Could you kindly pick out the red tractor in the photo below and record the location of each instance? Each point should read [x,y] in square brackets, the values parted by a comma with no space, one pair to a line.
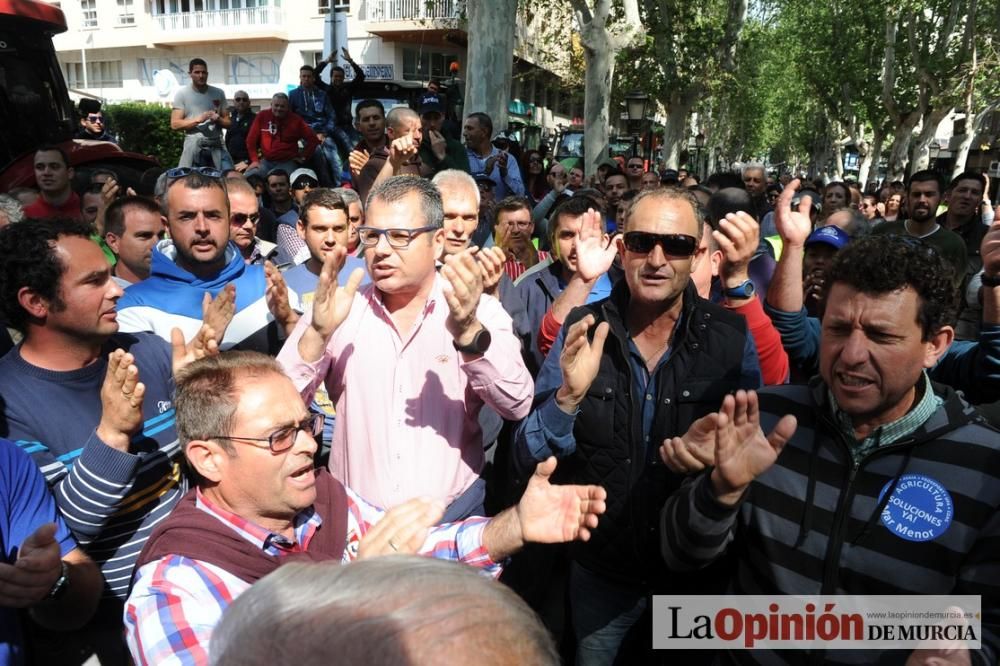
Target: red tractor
[35,108]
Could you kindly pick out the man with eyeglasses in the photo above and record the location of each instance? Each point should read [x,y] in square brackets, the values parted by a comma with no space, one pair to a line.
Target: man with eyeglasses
[259,503]
[287,193]
[199,261]
[427,339]
[625,374]
[513,229]
[244,214]
[634,170]
[241,119]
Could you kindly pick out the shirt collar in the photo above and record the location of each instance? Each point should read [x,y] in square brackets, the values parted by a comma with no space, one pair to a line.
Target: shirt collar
[306,522]
[889,433]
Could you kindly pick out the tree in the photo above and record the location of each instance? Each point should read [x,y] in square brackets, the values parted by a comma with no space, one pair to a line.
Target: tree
[602,39]
[491,59]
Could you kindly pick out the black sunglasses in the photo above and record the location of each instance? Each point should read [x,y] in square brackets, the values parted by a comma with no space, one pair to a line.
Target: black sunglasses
[239,219]
[303,183]
[673,245]
[180,172]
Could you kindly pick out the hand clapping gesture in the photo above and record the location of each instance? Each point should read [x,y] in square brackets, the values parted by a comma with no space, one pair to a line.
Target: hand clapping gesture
[794,226]
[121,401]
[595,252]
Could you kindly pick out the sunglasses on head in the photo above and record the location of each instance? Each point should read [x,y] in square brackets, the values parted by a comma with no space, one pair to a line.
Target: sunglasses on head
[303,183]
[673,245]
[180,172]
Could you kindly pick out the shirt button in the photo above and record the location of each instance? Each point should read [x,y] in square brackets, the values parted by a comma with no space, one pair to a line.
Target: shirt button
[649,397]
[666,401]
[686,393]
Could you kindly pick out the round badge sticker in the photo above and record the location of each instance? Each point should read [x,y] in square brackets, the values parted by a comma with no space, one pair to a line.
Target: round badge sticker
[920,508]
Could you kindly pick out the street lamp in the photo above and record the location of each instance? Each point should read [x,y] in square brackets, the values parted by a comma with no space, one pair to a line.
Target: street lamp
[699,144]
[635,108]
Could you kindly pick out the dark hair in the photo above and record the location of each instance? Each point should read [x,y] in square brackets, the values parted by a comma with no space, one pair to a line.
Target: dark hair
[925,176]
[337,68]
[281,173]
[30,260]
[307,68]
[321,197]
[723,179]
[843,186]
[397,188]
[114,217]
[367,103]
[484,120]
[193,181]
[196,61]
[881,264]
[55,149]
[615,171]
[509,205]
[968,175]
[729,200]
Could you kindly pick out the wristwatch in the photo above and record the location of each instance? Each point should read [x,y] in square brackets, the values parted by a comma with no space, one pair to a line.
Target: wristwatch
[744,290]
[990,280]
[479,344]
[61,585]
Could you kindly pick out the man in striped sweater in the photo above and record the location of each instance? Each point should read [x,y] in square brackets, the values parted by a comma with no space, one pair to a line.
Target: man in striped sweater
[885,484]
[105,442]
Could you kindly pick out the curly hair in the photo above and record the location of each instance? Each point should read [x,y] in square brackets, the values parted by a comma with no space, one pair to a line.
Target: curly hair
[30,260]
[886,263]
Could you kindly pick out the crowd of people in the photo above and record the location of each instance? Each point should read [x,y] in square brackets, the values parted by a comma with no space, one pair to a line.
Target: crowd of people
[351,337]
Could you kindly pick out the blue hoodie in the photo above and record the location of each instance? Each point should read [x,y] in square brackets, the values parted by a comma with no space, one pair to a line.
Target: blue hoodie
[172,298]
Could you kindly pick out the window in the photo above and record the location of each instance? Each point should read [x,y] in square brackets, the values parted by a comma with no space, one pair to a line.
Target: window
[149,66]
[100,74]
[126,12]
[423,66]
[247,68]
[88,10]
[323,6]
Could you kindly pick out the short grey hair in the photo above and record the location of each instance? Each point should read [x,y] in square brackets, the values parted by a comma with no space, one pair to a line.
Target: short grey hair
[857,224]
[398,188]
[754,166]
[237,182]
[388,610]
[456,178]
[279,95]
[348,195]
[11,209]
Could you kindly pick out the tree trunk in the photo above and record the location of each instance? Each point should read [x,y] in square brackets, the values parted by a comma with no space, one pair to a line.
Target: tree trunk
[838,160]
[865,172]
[675,132]
[596,118]
[921,158]
[490,59]
[902,134]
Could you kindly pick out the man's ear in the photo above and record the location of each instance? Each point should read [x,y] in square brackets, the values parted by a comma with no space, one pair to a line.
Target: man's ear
[207,458]
[112,241]
[937,345]
[300,228]
[33,303]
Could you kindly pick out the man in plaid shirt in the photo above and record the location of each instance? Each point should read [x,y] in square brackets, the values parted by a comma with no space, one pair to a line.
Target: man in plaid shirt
[259,503]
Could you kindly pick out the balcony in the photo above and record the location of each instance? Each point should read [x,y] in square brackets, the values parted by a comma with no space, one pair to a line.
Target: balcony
[430,22]
[221,25]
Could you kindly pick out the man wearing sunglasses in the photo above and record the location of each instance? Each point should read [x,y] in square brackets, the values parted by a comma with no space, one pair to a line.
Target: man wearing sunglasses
[244,215]
[440,347]
[92,126]
[260,503]
[625,374]
[199,260]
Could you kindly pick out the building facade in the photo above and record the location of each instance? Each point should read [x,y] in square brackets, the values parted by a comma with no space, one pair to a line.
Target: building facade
[120,50]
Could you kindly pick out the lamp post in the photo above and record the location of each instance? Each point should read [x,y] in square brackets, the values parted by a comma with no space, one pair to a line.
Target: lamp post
[635,109]
[699,144]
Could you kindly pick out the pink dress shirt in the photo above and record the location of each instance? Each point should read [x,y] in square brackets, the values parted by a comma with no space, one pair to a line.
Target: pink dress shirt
[407,408]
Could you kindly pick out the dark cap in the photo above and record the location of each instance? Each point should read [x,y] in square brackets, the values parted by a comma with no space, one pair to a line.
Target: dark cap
[483,179]
[88,105]
[430,103]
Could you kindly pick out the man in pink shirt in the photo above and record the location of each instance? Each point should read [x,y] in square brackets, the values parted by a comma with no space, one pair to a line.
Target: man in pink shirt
[410,359]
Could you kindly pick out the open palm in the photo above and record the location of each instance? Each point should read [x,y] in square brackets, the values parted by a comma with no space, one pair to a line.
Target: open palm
[556,514]
[794,226]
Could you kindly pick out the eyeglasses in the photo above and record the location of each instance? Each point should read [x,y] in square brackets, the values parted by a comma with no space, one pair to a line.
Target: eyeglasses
[673,245]
[369,236]
[180,172]
[303,183]
[282,439]
[95,118]
[239,219]
[634,166]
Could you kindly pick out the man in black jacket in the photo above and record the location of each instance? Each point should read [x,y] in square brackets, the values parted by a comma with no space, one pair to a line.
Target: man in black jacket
[242,117]
[341,94]
[660,358]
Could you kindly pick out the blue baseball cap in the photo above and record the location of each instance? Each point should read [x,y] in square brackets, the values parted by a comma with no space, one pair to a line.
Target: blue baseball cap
[829,234]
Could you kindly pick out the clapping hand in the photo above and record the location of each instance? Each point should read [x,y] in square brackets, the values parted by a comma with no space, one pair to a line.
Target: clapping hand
[695,449]
[491,265]
[579,361]
[462,291]
[276,296]
[595,252]
[794,226]
[549,513]
[403,529]
[38,567]
[121,401]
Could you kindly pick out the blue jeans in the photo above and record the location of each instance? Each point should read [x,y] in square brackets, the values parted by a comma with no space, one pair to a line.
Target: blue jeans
[602,613]
[328,164]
